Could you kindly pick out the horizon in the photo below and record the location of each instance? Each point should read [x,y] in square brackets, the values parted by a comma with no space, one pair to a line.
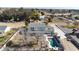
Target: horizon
[69,8]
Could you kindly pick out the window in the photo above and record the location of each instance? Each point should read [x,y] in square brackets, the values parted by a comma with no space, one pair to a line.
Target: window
[42,28]
[32,28]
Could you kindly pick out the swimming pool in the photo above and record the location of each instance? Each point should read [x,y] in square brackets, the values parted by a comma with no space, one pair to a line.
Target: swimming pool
[56,43]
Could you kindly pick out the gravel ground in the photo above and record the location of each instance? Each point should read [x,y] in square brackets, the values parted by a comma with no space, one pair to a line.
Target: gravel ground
[38,43]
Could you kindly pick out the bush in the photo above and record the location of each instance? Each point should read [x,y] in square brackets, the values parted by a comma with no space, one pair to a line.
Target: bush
[2,39]
[49,20]
[10,32]
[42,13]
[77,17]
[26,24]
[9,43]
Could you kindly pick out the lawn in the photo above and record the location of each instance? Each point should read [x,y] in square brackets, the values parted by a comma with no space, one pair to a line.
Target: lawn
[71,26]
[2,40]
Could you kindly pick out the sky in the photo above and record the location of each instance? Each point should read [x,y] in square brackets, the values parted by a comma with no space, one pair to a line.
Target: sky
[69,4]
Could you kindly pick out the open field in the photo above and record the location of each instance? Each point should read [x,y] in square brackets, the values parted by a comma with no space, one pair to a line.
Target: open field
[13,25]
[58,21]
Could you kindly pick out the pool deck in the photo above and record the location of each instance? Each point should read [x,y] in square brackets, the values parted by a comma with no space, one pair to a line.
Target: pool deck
[68,46]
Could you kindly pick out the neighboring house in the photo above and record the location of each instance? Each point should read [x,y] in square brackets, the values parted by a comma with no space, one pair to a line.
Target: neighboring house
[3,30]
[39,28]
[42,18]
[64,14]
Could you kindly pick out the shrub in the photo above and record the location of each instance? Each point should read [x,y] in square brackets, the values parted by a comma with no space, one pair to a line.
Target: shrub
[9,43]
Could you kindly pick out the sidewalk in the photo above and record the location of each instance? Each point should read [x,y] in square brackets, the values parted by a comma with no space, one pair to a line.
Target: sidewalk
[68,46]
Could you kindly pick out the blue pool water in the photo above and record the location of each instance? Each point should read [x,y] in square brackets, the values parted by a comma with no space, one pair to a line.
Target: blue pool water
[55,43]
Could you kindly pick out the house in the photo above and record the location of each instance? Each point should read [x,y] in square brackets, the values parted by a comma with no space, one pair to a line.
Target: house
[38,27]
[3,30]
[42,18]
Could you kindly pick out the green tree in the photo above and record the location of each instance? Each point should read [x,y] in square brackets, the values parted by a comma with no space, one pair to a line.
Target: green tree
[49,20]
[42,13]
[26,24]
[50,10]
[21,9]
[35,15]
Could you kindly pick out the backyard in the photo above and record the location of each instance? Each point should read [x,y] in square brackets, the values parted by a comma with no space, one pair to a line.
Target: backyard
[28,42]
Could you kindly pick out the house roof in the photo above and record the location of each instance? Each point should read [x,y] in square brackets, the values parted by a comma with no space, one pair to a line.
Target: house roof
[38,24]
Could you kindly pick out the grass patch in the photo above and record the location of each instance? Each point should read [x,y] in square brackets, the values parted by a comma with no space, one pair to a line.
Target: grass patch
[7,36]
[70,26]
[10,32]
[2,40]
